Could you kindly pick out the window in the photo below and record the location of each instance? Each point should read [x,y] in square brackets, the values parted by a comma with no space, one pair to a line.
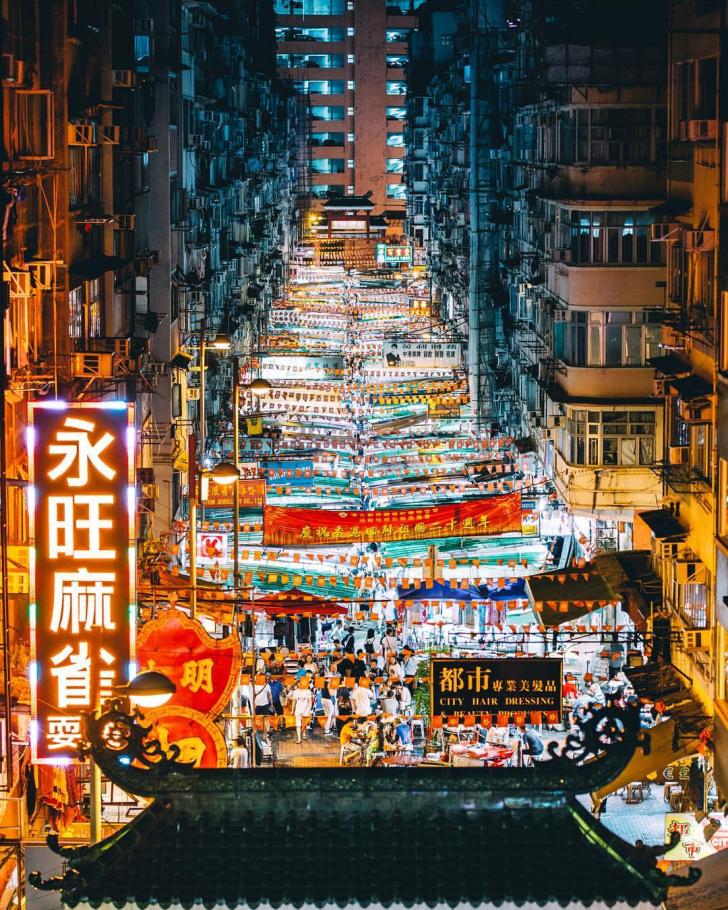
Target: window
[84,179]
[327,113]
[396,113]
[309,34]
[396,87]
[700,435]
[395,165]
[327,165]
[614,238]
[335,140]
[142,53]
[695,93]
[319,87]
[322,190]
[310,61]
[310,7]
[395,140]
[616,438]
[602,135]
[397,34]
[397,61]
[351,85]
[396,191]
[616,338]
[85,311]
[723,498]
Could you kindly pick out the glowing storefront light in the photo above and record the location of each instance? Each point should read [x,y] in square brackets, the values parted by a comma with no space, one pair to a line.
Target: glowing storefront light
[82,611]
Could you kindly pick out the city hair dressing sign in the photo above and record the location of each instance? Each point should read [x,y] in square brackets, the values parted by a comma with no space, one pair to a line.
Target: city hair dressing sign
[81,503]
[506,686]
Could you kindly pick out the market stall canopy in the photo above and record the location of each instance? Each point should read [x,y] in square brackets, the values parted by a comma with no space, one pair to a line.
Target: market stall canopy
[568,594]
[294,602]
[439,590]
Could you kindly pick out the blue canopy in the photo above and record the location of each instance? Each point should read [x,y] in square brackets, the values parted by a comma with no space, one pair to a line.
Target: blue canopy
[514,589]
[439,591]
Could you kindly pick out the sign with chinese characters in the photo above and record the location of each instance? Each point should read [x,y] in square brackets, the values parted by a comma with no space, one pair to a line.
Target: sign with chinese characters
[204,670]
[200,742]
[319,527]
[251,494]
[393,255]
[419,355]
[299,366]
[692,844]
[82,509]
[509,686]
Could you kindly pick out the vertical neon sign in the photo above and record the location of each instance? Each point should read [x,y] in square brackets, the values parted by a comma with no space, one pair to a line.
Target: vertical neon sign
[83,562]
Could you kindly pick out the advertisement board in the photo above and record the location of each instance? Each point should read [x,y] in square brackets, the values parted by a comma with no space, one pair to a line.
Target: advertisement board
[82,509]
[507,686]
[419,355]
[387,254]
[299,366]
[251,494]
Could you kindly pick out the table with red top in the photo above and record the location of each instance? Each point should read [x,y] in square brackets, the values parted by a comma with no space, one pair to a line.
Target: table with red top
[404,760]
[491,755]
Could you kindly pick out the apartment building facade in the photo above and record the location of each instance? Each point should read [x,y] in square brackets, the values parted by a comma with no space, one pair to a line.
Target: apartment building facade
[346,61]
[147,199]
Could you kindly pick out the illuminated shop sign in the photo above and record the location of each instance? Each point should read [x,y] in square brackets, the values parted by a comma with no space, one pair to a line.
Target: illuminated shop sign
[81,503]
[393,255]
[510,688]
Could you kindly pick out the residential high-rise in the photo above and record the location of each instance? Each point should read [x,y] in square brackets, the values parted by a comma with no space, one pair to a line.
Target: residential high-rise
[347,62]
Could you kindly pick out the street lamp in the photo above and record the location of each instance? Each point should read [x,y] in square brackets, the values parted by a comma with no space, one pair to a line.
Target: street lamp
[149,689]
[259,386]
[225,474]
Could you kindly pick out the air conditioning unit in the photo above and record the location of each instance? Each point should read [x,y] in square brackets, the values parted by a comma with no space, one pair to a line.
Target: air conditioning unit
[193,394]
[702,130]
[150,491]
[560,315]
[689,572]
[42,273]
[699,241]
[125,222]
[665,231]
[123,78]
[91,365]
[554,421]
[110,135]
[677,455]
[668,549]
[81,133]
[695,411]
[19,283]
[694,640]
[12,70]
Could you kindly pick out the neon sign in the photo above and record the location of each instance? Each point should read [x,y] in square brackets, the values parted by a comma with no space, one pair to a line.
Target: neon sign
[81,503]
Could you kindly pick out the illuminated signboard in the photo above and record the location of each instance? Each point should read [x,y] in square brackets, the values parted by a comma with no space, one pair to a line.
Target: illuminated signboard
[394,255]
[511,689]
[81,504]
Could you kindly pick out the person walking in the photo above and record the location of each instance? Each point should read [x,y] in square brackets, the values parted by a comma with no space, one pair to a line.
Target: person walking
[302,698]
[239,754]
[327,703]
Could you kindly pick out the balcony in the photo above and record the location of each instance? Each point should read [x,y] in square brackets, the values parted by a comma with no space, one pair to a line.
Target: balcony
[628,286]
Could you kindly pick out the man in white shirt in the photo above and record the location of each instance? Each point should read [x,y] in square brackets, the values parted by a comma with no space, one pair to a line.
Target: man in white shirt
[404,697]
[361,700]
[410,662]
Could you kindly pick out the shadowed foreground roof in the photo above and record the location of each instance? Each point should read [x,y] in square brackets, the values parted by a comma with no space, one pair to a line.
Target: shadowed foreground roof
[342,836]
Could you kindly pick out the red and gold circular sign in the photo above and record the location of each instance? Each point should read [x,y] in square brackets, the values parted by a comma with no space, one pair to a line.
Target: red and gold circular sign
[200,742]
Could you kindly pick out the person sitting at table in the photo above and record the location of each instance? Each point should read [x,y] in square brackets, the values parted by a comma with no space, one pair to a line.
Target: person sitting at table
[393,668]
[375,743]
[409,664]
[389,702]
[301,671]
[350,742]
[532,745]
[361,700]
[344,709]
[403,734]
[310,665]
[349,666]
[404,698]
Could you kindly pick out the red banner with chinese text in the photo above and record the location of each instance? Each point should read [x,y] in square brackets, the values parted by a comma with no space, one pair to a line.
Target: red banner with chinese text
[319,527]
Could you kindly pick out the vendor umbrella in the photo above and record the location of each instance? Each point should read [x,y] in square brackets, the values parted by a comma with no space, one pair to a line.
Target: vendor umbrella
[513,589]
[294,601]
[440,591]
